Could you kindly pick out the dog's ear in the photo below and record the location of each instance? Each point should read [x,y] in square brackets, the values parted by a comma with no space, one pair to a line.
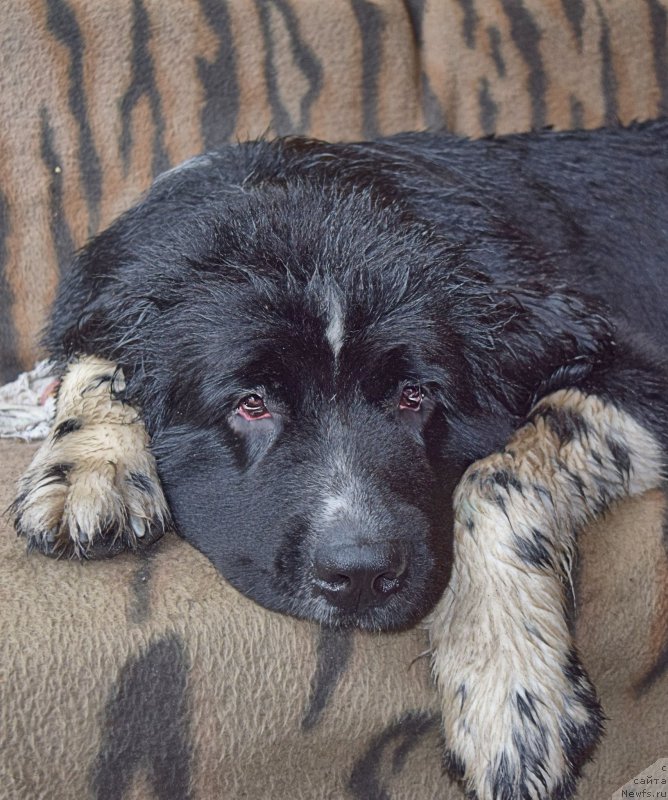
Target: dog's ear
[539,338]
[93,307]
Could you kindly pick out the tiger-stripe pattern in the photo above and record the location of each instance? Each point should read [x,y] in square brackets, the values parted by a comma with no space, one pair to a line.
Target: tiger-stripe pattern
[99,98]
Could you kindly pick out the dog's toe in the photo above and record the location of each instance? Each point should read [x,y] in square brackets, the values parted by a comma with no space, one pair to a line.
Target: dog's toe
[505,743]
[92,494]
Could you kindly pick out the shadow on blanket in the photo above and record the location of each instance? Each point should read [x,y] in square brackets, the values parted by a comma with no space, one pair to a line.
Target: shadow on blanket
[149,677]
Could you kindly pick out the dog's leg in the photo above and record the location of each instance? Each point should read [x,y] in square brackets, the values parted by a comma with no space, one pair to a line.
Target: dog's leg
[92,488]
[519,712]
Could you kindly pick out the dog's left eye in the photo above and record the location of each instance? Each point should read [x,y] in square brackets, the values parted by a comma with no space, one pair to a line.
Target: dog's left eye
[411,398]
[253,407]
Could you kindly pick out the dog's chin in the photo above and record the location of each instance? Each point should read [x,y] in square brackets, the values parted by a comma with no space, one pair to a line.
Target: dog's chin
[369,621]
[395,615]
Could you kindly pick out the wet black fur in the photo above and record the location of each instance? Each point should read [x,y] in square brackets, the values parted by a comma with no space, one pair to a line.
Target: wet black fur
[492,272]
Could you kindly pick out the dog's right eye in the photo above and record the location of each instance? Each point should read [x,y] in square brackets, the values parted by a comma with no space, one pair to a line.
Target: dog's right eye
[253,407]
[411,398]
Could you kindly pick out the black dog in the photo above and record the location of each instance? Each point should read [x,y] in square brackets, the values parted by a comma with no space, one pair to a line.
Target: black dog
[322,340]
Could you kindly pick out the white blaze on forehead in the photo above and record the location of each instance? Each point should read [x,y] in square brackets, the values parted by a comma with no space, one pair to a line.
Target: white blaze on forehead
[335,330]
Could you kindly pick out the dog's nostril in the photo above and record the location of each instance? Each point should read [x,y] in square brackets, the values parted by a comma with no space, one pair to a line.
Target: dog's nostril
[387,583]
[333,586]
[339,581]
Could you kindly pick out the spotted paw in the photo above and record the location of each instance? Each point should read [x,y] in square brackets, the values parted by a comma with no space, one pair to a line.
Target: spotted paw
[520,715]
[516,739]
[92,489]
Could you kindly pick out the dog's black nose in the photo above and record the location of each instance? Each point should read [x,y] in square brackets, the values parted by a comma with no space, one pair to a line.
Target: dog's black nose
[357,577]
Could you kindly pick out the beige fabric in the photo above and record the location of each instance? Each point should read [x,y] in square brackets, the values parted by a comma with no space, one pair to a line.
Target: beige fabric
[149,677]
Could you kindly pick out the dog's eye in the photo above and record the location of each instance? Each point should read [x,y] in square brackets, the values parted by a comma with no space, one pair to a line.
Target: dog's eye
[253,407]
[411,398]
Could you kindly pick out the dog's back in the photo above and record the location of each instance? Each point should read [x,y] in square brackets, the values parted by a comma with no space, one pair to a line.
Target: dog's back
[591,205]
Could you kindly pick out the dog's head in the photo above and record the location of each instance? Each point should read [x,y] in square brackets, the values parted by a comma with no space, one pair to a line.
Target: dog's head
[305,443]
[317,368]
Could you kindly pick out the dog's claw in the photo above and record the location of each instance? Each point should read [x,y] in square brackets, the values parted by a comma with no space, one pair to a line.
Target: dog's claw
[138,526]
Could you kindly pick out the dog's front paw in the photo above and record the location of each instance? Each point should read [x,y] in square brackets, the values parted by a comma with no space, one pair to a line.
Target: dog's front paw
[520,715]
[92,488]
[509,738]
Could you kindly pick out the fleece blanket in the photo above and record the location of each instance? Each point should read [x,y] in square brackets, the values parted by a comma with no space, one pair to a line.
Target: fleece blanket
[150,678]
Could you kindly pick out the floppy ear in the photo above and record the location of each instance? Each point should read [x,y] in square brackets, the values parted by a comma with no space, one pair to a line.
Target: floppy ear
[95,309]
[541,339]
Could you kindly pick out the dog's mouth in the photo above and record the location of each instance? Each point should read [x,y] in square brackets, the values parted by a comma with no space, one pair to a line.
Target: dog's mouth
[395,614]
[398,606]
